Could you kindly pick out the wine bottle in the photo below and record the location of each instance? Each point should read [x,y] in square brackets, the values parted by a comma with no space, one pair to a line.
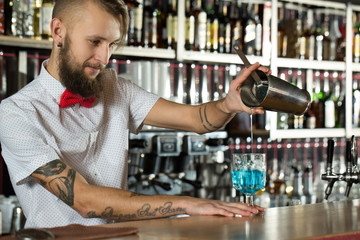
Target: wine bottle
[45,18]
[189,26]
[149,38]
[356,41]
[236,28]
[326,40]
[36,19]
[250,32]
[200,26]
[258,31]
[319,39]
[335,36]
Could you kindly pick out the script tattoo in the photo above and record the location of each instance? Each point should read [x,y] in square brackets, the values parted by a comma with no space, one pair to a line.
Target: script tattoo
[63,187]
[144,211]
[108,213]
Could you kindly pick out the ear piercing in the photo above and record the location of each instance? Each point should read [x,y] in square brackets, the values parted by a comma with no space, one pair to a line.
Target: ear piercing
[59,45]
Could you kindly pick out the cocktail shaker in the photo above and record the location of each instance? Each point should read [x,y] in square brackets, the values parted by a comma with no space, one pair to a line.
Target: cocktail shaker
[272,93]
[275,94]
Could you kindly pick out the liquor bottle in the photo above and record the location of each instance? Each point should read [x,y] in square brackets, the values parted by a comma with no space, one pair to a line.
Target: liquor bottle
[356,104]
[283,117]
[304,36]
[138,22]
[341,46]
[299,120]
[316,106]
[214,29]
[227,39]
[236,28]
[319,39]
[291,117]
[209,11]
[356,42]
[189,26]
[339,95]
[17,18]
[45,18]
[222,26]
[310,48]
[329,104]
[200,26]
[250,32]
[291,32]
[326,39]
[149,39]
[281,33]
[36,20]
[258,32]
[161,24]
[131,4]
[335,36]
[2,23]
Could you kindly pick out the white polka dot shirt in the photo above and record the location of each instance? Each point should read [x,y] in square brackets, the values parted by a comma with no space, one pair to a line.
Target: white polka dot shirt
[34,130]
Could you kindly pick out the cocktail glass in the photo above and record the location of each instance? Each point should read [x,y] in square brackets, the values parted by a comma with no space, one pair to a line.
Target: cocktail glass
[248,174]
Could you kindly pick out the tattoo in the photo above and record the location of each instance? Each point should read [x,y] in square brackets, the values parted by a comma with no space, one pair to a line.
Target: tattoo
[144,211]
[52,168]
[207,121]
[63,187]
[202,121]
[134,194]
[108,213]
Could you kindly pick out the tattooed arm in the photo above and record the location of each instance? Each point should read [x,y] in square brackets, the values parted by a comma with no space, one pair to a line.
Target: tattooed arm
[110,203]
[206,117]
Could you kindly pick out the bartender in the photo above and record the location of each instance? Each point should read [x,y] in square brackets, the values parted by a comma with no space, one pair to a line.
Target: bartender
[65,135]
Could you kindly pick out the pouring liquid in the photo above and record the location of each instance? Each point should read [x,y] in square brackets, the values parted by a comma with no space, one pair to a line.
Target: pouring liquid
[251,130]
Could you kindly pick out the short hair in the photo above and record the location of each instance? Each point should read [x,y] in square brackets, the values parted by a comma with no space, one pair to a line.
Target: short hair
[117,8]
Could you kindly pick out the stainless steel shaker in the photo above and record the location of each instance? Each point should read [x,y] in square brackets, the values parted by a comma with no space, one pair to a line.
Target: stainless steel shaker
[272,93]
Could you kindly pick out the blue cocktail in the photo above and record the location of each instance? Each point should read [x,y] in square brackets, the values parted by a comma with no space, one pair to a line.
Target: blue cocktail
[249,174]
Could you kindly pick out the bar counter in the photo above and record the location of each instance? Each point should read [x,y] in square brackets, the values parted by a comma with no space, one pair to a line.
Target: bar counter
[329,220]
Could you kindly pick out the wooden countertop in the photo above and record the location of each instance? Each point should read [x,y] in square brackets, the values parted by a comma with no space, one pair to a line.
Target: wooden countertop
[331,220]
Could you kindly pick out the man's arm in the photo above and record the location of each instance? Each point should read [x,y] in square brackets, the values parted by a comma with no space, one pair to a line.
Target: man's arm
[116,204]
[206,117]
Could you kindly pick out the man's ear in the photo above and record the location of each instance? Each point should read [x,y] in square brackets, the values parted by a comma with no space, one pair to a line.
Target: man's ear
[57,30]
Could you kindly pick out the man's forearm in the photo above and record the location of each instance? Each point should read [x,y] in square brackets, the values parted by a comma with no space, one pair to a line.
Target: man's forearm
[123,205]
[213,116]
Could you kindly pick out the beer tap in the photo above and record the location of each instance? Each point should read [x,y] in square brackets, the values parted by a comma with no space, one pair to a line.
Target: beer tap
[350,176]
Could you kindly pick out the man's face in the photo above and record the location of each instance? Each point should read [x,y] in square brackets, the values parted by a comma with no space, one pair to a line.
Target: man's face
[86,50]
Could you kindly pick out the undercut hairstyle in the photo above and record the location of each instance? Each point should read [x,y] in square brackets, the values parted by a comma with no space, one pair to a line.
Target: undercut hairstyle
[68,10]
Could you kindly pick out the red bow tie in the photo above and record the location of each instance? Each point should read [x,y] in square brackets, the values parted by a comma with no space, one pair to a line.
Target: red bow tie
[68,99]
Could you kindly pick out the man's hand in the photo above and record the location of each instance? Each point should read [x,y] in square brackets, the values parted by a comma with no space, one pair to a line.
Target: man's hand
[214,207]
[233,102]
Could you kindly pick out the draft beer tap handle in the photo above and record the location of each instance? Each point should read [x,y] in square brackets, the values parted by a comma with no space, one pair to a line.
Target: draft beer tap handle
[353,151]
[348,159]
[330,154]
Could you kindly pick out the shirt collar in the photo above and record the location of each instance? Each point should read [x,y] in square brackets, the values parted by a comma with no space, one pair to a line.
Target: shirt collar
[52,85]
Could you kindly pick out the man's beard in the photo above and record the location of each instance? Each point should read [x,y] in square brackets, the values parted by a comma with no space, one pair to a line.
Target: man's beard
[72,75]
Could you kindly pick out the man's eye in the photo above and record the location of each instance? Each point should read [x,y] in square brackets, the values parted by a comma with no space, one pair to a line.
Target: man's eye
[114,44]
[94,42]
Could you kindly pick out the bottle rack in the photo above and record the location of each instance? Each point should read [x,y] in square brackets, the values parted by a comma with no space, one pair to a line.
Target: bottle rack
[273,61]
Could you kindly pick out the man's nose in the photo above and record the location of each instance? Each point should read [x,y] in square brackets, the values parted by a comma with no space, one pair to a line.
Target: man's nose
[103,54]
